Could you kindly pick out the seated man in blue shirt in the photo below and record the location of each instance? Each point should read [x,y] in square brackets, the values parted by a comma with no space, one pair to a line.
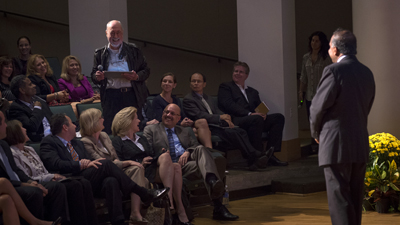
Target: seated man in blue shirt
[194,158]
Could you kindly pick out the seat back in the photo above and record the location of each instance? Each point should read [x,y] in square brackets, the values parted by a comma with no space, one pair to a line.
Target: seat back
[55,65]
[82,107]
[67,109]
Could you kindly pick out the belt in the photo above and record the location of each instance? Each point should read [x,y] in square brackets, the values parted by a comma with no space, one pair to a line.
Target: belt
[125,89]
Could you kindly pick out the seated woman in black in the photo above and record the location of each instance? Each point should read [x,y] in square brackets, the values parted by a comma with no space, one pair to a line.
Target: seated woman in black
[40,73]
[168,83]
[130,146]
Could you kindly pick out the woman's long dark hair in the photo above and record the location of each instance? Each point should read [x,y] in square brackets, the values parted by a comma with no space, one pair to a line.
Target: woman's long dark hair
[323,51]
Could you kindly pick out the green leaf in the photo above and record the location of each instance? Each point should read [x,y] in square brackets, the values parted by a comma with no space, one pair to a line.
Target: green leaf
[383,175]
[394,187]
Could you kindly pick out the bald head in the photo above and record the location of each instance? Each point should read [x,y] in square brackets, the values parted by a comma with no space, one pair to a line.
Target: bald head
[171,115]
[115,34]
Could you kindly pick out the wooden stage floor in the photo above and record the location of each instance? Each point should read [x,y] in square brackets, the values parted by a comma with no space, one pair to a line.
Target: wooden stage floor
[286,210]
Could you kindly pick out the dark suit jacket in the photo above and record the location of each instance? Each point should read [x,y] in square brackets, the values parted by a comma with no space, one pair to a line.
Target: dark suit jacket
[195,109]
[127,150]
[56,157]
[3,172]
[339,112]
[31,119]
[42,88]
[157,137]
[232,101]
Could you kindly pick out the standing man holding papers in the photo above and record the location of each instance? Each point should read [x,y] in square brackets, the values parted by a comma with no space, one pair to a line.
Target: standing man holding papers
[128,90]
[338,117]
[240,101]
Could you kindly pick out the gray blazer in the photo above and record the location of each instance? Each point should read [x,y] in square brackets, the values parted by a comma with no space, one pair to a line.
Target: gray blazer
[25,165]
[158,139]
[339,112]
[195,109]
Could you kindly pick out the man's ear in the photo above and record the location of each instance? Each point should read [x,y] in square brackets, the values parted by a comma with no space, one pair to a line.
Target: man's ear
[22,90]
[204,85]
[336,51]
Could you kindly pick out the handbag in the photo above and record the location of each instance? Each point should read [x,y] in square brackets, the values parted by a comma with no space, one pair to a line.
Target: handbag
[156,211]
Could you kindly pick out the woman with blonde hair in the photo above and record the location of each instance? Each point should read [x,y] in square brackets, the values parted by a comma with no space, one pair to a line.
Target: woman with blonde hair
[41,75]
[12,207]
[131,146]
[99,145]
[74,81]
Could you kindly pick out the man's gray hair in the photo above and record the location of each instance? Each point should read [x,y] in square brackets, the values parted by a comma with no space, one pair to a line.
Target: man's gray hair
[108,24]
[345,41]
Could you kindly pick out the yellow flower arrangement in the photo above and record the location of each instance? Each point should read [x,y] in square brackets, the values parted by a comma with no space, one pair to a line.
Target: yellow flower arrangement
[385,146]
[382,175]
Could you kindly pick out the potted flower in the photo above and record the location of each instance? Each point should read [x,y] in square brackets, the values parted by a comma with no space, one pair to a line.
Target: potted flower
[382,183]
[382,175]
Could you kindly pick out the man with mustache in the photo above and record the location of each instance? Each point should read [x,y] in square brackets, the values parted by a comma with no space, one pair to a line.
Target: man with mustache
[128,90]
[195,159]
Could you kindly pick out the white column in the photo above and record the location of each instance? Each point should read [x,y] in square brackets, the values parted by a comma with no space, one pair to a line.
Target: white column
[266,39]
[87,25]
[376,26]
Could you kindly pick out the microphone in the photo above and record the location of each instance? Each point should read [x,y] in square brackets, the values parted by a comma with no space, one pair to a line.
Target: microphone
[100,68]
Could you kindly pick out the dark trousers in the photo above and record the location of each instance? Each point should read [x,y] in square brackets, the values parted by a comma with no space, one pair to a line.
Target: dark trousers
[110,181]
[237,138]
[255,125]
[344,185]
[114,101]
[80,202]
[33,199]
[54,202]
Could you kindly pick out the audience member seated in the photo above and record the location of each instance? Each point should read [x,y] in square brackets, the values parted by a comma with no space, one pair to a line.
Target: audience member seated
[99,145]
[195,159]
[36,196]
[168,83]
[79,191]
[12,207]
[6,75]
[198,105]
[75,82]
[130,146]
[24,48]
[40,73]
[61,152]
[32,111]
[240,101]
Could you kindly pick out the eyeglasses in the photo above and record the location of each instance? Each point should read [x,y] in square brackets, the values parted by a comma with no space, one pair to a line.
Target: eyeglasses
[166,112]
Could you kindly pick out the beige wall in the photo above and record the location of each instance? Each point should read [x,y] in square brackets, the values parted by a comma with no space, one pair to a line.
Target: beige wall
[377,31]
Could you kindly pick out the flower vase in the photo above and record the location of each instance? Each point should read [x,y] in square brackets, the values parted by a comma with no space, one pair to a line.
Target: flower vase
[383,205]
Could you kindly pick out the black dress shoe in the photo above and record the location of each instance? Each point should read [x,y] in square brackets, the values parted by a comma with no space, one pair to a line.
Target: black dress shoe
[57,221]
[222,213]
[216,187]
[273,161]
[155,194]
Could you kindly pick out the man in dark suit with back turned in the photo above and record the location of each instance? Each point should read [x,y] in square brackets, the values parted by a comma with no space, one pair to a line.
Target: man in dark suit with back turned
[338,117]
[240,101]
[198,105]
[32,111]
[61,152]
[52,194]
[195,159]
